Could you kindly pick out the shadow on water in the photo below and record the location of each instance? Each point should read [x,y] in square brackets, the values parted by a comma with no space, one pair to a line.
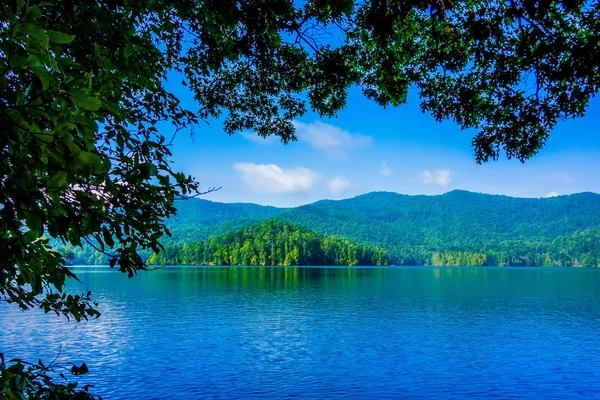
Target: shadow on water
[403,281]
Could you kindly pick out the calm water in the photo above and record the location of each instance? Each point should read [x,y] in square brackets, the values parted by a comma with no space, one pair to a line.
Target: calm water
[184,333]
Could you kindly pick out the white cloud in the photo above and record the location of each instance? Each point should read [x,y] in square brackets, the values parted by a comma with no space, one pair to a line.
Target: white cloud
[385,169]
[270,178]
[559,177]
[253,137]
[566,178]
[441,177]
[339,185]
[329,138]
[551,194]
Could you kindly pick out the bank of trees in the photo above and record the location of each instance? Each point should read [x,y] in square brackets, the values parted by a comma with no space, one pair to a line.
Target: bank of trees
[580,249]
[271,243]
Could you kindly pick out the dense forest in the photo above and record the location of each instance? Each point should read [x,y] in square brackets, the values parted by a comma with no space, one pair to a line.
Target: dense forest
[270,243]
[456,228]
[464,228]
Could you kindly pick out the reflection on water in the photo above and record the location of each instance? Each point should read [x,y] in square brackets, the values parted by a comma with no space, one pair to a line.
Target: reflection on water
[328,332]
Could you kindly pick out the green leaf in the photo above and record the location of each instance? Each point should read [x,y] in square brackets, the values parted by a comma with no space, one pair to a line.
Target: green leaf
[83,369]
[75,150]
[32,13]
[34,222]
[87,103]
[92,160]
[74,233]
[57,180]
[148,169]
[36,32]
[18,61]
[108,239]
[59,37]
[44,137]
[30,236]
[82,99]
[163,180]
[44,76]
[86,122]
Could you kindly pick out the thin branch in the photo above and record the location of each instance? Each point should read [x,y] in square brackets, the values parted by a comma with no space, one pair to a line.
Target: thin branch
[210,190]
[97,249]
[156,268]
[49,366]
[174,135]
[300,36]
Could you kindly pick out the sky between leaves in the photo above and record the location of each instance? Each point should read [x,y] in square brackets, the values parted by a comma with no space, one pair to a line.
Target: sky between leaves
[368,148]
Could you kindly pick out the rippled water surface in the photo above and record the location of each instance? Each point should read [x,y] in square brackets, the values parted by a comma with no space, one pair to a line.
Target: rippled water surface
[184,333]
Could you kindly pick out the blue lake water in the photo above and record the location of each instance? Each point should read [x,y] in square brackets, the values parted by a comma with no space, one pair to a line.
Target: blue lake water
[185,333]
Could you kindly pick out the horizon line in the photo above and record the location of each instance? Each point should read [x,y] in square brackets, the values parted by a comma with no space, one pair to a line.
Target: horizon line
[395,193]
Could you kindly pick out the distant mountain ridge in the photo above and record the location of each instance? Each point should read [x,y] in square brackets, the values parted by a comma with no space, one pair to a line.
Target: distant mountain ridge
[199,218]
[561,214]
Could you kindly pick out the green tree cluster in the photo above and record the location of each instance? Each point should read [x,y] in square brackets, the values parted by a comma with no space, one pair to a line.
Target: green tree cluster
[270,243]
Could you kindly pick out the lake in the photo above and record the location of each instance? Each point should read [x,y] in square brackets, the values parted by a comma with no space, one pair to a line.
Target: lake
[283,332]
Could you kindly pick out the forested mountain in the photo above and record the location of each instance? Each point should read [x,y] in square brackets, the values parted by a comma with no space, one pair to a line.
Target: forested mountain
[457,218]
[456,228]
[199,218]
[270,243]
[516,231]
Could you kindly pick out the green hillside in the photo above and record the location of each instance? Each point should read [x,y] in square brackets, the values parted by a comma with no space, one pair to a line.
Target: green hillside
[456,218]
[270,243]
[411,228]
[199,218]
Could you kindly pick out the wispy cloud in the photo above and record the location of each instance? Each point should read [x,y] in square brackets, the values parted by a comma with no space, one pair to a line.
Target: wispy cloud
[441,177]
[339,185]
[331,139]
[270,178]
[551,194]
[385,169]
[253,137]
[559,177]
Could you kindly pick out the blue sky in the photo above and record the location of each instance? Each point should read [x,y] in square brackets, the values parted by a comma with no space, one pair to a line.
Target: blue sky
[368,148]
